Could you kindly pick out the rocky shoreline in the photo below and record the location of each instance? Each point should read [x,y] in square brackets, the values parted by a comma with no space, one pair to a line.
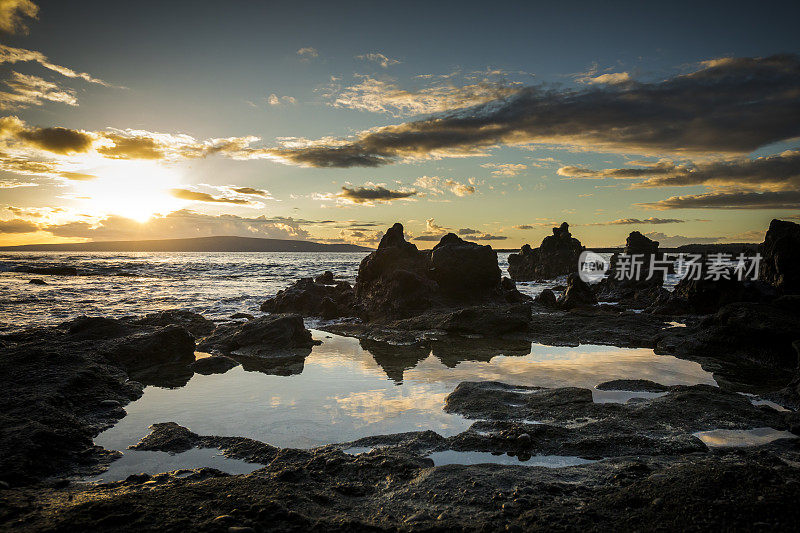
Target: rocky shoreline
[646,468]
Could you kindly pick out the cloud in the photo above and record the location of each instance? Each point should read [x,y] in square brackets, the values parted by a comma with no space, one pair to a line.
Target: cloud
[696,113]
[54,139]
[774,172]
[381,96]
[275,100]
[459,189]
[21,55]
[673,241]
[13,14]
[468,231]
[181,224]
[432,227]
[611,78]
[131,148]
[489,237]
[731,200]
[307,53]
[368,195]
[18,225]
[32,90]
[380,59]
[251,191]
[637,221]
[505,169]
[195,196]
[438,185]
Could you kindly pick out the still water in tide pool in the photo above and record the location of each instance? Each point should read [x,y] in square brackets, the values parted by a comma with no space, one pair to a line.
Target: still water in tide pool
[347,389]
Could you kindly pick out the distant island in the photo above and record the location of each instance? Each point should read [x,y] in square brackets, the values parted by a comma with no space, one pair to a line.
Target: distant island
[196,244]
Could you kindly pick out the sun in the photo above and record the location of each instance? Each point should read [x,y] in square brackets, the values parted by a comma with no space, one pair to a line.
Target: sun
[131,189]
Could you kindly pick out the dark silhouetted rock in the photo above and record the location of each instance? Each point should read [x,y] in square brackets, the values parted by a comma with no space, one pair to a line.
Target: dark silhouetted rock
[326,278]
[762,333]
[705,296]
[397,280]
[216,364]
[780,252]
[546,298]
[639,288]
[310,298]
[37,281]
[196,324]
[170,344]
[556,256]
[464,270]
[239,316]
[260,337]
[578,293]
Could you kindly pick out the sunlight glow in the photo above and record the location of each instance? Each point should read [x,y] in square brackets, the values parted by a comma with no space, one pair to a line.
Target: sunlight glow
[132,189]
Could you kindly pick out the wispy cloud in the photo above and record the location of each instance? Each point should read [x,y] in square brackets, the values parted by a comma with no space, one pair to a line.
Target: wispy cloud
[687,114]
[385,96]
[505,169]
[17,55]
[307,53]
[380,59]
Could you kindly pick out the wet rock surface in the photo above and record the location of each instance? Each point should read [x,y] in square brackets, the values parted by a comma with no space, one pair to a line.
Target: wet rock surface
[268,336]
[556,256]
[313,298]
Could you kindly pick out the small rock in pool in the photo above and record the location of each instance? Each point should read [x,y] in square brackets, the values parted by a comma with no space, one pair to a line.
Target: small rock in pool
[216,364]
[109,403]
[524,440]
[37,281]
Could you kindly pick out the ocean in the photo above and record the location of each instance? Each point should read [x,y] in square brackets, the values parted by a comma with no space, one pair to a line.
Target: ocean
[214,284]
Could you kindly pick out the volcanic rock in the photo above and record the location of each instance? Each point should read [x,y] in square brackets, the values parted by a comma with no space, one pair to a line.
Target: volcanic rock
[556,256]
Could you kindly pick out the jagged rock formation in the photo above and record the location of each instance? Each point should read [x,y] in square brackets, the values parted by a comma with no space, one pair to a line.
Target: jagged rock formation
[556,256]
[646,283]
[266,336]
[397,280]
[578,293]
[780,253]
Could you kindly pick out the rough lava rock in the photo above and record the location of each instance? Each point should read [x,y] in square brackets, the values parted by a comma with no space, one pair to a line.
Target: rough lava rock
[263,337]
[556,256]
[635,293]
[398,281]
[326,278]
[578,293]
[313,298]
[780,254]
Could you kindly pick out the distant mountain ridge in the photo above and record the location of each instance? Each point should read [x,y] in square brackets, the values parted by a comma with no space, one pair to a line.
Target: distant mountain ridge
[195,244]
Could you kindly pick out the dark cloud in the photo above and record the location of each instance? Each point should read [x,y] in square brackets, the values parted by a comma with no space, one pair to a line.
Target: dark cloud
[56,139]
[489,237]
[362,195]
[467,231]
[780,171]
[425,237]
[17,225]
[730,105]
[731,200]
[637,221]
[131,147]
[250,191]
[195,196]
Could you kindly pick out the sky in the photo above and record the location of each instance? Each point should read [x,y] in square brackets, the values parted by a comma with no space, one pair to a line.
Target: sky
[331,121]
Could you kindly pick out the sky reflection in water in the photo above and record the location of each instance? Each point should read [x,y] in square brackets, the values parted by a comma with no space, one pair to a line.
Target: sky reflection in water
[344,392]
